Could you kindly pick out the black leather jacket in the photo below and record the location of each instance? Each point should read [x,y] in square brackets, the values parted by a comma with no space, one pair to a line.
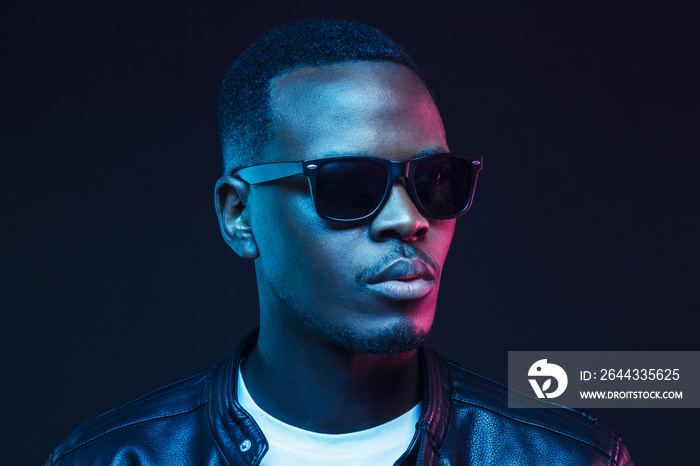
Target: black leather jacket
[465,421]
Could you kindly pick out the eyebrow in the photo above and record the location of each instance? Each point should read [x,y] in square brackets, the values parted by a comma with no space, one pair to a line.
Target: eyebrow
[424,152]
[434,150]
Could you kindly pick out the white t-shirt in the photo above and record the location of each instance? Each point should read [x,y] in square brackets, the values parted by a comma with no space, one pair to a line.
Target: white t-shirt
[289,445]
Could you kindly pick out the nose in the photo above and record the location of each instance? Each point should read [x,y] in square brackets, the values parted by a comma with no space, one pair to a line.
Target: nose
[399,218]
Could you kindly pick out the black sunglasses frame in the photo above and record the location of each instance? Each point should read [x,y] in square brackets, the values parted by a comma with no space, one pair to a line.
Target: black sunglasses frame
[266,172]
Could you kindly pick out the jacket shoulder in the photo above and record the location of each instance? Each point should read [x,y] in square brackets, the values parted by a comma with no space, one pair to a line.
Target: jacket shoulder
[473,391]
[178,398]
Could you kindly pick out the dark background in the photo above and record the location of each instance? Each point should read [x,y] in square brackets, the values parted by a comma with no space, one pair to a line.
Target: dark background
[115,281]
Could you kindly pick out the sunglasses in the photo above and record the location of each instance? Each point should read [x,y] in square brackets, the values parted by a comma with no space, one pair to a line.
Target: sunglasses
[351,188]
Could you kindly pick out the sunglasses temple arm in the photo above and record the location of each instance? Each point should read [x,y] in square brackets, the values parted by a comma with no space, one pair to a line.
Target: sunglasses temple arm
[269,172]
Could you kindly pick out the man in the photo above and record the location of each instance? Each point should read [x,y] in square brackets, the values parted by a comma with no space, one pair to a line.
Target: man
[339,184]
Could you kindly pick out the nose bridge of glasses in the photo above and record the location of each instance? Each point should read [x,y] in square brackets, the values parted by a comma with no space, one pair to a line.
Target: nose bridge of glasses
[397,170]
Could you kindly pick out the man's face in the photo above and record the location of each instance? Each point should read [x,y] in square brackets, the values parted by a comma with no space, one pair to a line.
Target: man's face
[369,286]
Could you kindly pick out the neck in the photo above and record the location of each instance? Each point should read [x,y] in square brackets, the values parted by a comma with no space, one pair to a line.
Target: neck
[314,385]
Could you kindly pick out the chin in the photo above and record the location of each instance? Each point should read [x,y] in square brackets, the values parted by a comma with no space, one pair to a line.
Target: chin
[396,339]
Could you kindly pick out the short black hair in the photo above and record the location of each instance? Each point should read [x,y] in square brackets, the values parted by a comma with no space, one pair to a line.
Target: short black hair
[244,113]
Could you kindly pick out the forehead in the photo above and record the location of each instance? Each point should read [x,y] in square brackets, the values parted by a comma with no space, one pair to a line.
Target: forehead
[368,108]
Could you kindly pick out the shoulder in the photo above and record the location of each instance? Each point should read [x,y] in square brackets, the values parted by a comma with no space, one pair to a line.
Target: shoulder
[480,407]
[157,416]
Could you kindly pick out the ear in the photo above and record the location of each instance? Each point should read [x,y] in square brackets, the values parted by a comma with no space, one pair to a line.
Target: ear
[230,197]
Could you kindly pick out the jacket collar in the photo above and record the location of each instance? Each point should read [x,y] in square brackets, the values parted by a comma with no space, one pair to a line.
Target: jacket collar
[436,413]
[238,437]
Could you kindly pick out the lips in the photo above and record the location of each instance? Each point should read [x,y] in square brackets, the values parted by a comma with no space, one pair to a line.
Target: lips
[403,279]
[404,270]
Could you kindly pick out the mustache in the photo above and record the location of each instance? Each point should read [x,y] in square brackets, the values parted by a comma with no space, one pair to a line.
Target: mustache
[400,251]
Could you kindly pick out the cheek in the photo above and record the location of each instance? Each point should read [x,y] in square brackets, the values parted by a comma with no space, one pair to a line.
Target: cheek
[274,230]
[441,233]
[293,241]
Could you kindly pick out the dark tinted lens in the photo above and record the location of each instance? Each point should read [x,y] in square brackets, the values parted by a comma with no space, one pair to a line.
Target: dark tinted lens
[443,184]
[349,189]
